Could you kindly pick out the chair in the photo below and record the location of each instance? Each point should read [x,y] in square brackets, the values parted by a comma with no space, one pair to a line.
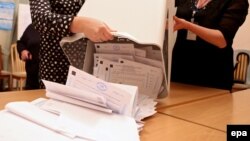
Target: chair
[4,74]
[17,68]
[240,71]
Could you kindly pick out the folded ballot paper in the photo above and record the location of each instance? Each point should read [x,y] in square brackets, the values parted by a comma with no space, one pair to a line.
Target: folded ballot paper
[25,121]
[87,91]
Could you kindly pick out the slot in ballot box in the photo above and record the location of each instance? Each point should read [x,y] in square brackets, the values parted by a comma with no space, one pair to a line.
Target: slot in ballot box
[138,55]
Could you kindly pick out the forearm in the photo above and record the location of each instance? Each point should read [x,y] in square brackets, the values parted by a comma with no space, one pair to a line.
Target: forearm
[93,29]
[77,25]
[212,36]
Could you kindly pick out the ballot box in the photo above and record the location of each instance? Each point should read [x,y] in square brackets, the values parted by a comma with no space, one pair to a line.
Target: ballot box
[140,53]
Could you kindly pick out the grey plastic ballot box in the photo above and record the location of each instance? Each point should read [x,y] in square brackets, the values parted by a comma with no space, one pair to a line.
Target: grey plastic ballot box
[137,22]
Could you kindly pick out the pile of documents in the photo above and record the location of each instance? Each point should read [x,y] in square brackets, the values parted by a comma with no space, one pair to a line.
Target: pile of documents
[87,91]
[123,63]
[25,121]
[85,109]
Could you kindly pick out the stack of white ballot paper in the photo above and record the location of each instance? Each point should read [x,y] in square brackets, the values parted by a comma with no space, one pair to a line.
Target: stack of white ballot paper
[85,109]
[124,64]
[85,90]
[25,121]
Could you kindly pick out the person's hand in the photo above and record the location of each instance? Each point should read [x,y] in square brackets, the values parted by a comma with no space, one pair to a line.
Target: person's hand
[180,23]
[26,55]
[95,30]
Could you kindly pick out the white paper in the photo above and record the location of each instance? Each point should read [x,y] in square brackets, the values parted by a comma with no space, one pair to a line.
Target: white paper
[147,107]
[132,105]
[103,67]
[106,127]
[34,114]
[116,98]
[111,57]
[140,52]
[154,54]
[84,95]
[115,48]
[16,128]
[74,101]
[147,78]
[74,123]
[151,62]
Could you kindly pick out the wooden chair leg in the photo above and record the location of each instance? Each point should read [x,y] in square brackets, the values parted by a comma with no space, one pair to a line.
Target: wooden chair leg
[18,85]
[21,84]
[10,83]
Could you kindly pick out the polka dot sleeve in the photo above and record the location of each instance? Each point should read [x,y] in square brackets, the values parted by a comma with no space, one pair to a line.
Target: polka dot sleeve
[52,17]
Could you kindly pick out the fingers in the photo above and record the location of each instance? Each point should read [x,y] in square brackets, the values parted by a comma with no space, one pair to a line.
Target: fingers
[26,55]
[179,23]
[96,31]
[23,58]
[104,34]
[108,35]
[175,18]
[29,56]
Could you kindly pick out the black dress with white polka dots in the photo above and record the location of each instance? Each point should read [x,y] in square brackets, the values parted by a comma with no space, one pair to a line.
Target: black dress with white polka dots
[52,18]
